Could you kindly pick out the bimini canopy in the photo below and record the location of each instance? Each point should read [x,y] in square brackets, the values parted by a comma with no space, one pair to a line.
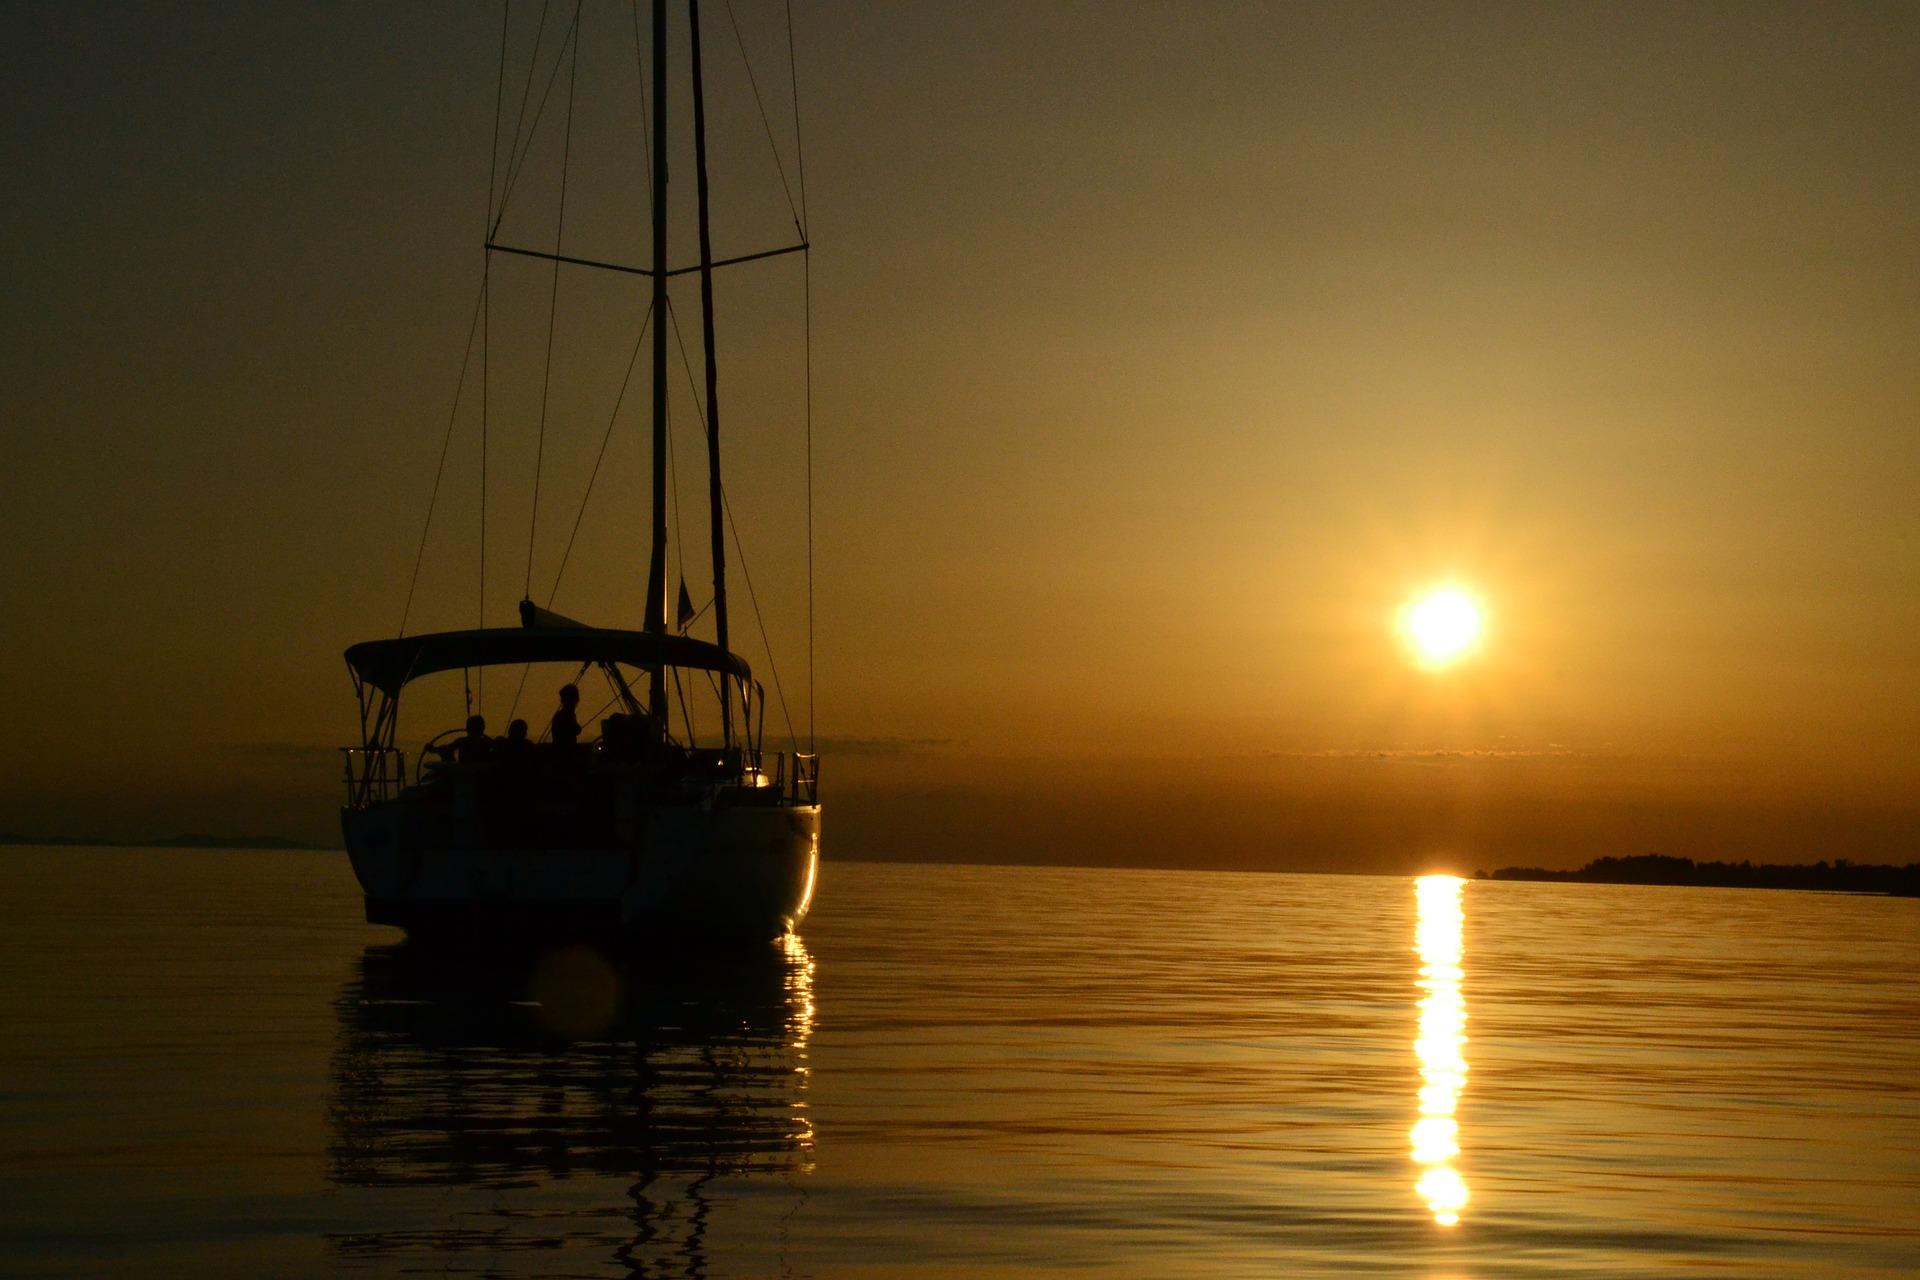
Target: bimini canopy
[389,664]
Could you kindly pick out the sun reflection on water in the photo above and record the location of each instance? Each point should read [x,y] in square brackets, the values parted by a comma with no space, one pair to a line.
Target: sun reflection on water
[799,988]
[1441,1047]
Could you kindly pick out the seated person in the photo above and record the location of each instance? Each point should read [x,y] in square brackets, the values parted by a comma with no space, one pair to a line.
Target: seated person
[564,729]
[514,748]
[476,745]
[471,748]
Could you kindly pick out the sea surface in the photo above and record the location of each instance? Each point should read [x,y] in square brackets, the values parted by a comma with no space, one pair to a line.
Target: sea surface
[210,1066]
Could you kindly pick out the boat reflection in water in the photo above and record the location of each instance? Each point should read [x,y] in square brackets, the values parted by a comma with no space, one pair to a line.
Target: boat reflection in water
[506,1109]
[1442,1045]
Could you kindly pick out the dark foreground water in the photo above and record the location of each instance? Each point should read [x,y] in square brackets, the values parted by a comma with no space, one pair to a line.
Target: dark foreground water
[209,1066]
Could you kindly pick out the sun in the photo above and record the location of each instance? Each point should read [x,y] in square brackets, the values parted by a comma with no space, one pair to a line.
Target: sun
[1442,625]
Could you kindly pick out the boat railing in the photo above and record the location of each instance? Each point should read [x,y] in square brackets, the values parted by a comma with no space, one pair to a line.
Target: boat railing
[373,775]
[806,778]
[792,776]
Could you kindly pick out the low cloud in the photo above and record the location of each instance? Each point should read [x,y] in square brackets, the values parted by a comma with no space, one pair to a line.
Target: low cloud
[281,753]
[883,746]
[1441,755]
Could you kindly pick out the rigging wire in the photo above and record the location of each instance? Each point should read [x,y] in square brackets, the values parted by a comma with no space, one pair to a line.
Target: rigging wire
[806,306]
[600,457]
[673,464]
[686,709]
[553,311]
[799,150]
[773,668]
[765,123]
[520,117]
[673,485]
[499,100]
[433,497]
[516,166]
[486,335]
[476,691]
[739,550]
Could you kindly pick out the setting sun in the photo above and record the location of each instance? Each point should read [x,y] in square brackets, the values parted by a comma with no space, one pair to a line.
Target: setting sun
[1443,626]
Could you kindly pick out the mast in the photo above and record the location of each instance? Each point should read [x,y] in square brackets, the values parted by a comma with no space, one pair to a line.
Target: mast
[715,498]
[656,620]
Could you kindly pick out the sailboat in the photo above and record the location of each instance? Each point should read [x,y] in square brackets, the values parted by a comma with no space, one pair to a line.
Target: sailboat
[636,829]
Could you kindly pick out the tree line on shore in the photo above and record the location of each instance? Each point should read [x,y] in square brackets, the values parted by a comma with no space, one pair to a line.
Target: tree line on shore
[1658,868]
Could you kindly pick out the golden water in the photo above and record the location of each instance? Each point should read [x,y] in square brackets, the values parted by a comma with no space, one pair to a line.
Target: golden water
[208,1065]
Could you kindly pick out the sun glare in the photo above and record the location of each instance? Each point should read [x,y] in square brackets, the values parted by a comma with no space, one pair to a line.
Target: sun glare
[1442,626]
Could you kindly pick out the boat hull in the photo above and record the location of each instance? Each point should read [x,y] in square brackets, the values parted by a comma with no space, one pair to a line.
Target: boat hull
[709,870]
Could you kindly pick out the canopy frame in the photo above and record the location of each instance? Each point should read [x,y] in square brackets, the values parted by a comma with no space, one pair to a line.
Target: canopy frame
[389,665]
[380,669]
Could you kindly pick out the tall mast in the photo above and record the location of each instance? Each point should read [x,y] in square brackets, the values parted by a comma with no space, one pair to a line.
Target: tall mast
[657,566]
[715,499]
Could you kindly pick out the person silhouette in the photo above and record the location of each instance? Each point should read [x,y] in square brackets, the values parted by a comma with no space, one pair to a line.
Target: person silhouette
[474,746]
[564,729]
[515,747]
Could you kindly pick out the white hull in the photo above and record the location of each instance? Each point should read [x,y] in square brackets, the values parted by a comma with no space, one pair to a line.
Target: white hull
[746,870]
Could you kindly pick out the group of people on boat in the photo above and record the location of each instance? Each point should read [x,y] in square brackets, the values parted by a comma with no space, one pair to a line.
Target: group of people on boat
[541,794]
[622,734]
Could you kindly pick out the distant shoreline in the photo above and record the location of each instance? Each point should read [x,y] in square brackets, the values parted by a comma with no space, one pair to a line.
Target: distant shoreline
[1840,875]
[276,844]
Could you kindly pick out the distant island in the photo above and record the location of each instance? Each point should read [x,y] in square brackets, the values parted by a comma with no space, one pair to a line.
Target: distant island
[190,840]
[1654,868]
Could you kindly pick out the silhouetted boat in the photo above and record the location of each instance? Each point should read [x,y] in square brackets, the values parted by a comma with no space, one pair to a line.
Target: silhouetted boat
[636,831]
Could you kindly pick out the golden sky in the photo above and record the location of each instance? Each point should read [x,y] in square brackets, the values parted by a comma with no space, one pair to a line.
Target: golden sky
[1162,353]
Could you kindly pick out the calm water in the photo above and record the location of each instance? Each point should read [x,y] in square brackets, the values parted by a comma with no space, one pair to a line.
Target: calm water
[208,1065]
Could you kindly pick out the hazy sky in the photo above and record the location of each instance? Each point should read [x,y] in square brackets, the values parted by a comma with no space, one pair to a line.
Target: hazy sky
[1161,353]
